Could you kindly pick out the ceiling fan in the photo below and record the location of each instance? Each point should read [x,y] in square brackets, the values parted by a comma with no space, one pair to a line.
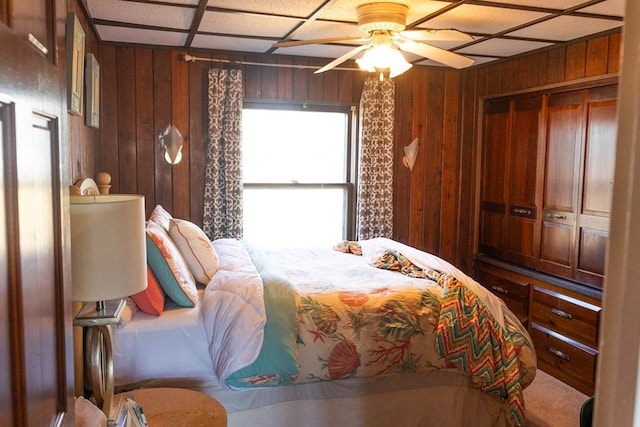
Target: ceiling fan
[385,23]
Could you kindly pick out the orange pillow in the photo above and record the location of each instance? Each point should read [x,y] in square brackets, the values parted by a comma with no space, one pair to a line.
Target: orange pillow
[151,300]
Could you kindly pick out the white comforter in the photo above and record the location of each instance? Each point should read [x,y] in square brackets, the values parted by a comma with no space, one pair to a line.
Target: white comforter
[234,311]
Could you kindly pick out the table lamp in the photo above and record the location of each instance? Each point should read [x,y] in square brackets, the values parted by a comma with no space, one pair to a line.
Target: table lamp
[108,263]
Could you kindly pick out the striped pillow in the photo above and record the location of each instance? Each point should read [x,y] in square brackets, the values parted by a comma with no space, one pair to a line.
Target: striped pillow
[196,248]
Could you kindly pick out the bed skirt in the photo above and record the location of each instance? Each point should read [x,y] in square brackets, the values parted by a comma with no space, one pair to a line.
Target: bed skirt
[438,398]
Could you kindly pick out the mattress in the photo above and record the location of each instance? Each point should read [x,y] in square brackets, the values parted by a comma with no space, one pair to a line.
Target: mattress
[170,346]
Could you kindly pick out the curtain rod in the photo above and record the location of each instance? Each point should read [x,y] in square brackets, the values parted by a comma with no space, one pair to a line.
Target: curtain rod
[191,58]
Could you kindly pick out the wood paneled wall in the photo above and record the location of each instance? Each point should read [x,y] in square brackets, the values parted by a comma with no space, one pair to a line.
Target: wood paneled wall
[144,90]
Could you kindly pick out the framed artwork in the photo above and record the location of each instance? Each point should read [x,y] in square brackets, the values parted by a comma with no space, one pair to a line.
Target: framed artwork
[92,102]
[75,64]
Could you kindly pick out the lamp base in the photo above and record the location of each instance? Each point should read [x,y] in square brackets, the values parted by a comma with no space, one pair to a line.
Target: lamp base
[90,315]
[98,319]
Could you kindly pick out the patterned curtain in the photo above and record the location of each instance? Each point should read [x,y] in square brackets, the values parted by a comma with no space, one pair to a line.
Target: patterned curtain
[223,170]
[375,176]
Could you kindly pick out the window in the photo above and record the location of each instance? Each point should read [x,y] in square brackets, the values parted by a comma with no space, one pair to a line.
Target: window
[298,174]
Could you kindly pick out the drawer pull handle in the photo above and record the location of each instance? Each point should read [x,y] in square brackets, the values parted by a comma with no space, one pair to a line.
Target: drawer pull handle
[522,211]
[500,289]
[561,313]
[556,216]
[559,354]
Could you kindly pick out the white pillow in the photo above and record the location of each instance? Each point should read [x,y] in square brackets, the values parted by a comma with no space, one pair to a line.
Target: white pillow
[196,249]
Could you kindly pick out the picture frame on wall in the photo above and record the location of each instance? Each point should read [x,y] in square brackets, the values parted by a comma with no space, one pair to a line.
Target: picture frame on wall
[75,64]
[92,102]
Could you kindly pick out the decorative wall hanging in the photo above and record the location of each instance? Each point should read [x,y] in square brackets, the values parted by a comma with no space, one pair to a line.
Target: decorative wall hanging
[75,64]
[92,83]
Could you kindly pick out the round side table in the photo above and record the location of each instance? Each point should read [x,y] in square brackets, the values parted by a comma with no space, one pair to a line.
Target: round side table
[175,407]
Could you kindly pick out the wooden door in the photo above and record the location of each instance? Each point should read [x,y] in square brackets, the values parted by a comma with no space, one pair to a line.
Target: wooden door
[561,182]
[523,241]
[597,185]
[494,192]
[36,375]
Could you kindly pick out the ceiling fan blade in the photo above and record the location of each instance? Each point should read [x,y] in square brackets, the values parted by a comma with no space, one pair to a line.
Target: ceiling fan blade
[434,34]
[338,61]
[451,59]
[318,41]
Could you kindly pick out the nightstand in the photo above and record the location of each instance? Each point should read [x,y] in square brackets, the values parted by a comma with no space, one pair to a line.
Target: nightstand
[175,407]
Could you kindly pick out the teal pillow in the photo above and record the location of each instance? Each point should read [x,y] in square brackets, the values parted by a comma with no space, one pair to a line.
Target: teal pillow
[165,276]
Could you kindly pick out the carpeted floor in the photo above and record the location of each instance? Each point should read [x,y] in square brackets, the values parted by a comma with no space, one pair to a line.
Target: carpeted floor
[551,403]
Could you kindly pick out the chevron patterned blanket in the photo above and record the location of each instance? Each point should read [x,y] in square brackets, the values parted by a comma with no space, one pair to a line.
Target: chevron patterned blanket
[469,337]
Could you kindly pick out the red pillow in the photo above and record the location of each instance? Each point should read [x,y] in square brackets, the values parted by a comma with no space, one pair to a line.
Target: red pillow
[151,300]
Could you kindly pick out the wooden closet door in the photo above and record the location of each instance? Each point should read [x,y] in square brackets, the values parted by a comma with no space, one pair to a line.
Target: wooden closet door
[36,375]
[597,187]
[561,182]
[494,192]
[523,241]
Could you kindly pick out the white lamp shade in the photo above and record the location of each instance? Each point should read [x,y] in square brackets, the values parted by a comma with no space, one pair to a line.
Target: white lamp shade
[108,247]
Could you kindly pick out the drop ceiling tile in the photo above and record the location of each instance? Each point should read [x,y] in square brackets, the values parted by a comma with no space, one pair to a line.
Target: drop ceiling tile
[481,19]
[176,17]
[251,25]
[343,10]
[564,28]
[322,29]
[502,47]
[545,4]
[446,44]
[141,36]
[230,43]
[420,9]
[478,60]
[609,7]
[316,50]
[300,8]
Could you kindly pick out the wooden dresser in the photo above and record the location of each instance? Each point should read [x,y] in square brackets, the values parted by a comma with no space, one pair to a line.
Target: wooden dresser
[562,317]
[546,186]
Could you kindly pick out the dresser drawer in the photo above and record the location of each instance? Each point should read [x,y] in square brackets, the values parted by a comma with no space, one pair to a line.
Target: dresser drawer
[565,359]
[512,288]
[575,319]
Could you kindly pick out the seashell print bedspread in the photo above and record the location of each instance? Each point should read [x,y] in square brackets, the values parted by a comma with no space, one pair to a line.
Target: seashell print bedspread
[355,320]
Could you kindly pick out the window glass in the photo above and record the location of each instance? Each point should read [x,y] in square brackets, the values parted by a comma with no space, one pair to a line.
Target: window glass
[296,175]
[293,146]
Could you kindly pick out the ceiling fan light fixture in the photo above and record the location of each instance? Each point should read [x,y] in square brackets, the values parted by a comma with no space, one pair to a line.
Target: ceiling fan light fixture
[384,57]
[382,16]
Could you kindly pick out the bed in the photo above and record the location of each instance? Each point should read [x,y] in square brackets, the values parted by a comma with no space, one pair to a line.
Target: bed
[362,334]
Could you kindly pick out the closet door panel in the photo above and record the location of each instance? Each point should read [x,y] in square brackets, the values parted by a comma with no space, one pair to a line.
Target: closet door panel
[600,154]
[524,152]
[493,215]
[556,248]
[563,139]
[561,182]
[597,189]
[524,142]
